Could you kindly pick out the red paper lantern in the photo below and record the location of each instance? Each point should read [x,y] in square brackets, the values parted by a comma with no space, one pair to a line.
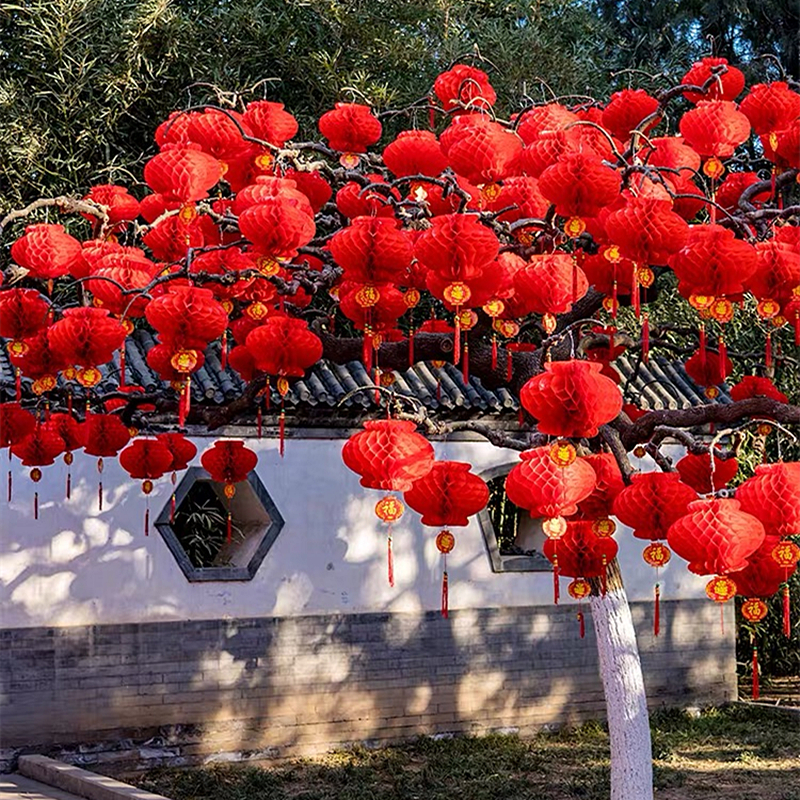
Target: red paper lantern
[726,86]
[183,173]
[120,205]
[580,552]
[627,110]
[652,502]
[39,361]
[161,358]
[23,313]
[480,150]
[763,576]
[778,272]
[277,227]
[695,471]
[284,346]
[372,250]
[448,494]
[388,454]
[730,190]
[773,495]
[350,128]
[86,337]
[753,386]
[38,449]
[715,128]
[355,200]
[770,106]
[522,192]
[228,461]
[547,487]
[46,251]
[571,398]
[466,87]
[672,152]
[312,185]
[646,230]
[187,317]
[218,134]
[599,504]
[116,273]
[105,435]
[415,153]
[146,460]
[713,262]
[715,536]
[270,122]
[541,121]
[265,189]
[180,448]
[15,424]
[548,284]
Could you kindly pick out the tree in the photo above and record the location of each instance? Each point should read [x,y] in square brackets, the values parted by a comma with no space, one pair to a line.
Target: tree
[540,246]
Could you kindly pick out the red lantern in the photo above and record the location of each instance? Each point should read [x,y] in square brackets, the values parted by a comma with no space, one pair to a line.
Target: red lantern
[120,206]
[130,271]
[646,230]
[72,434]
[770,106]
[715,128]
[414,153]
[773,495]
[456,247]
[727,85]
[465,87]
[183,173]
[571,398]
[627,110]
[270,122]
[350,128]
[599,504]
[753,386]
[170,239]
[549,285]
[182,451]
[673,153]
[730,190]
[187,317]
[312,185]
[15,424]
[38,361]
[23,313]
[778,272]
[105,435]
[653,502]
[372,250]
[146,459]
[707,368]
[547,485]
[284,346]
[695,471]
[266,189]
[38,449]
[277,227]
[480,150]
[715,536]
[355,200]
[219,135]
[447,496]
[523,194]
[229,462]
[46,251]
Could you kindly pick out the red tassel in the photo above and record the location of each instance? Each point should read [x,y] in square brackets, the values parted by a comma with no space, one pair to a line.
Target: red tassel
[787,616]
[182,407]
[445,598]
[509,365]
[635,296]
[521,416]
[229,531]
[646,338]
[756,688]
[723,354]
[147,521]
[768,351]
[390,560]
[457,339]
[611,331]
[574,279]
[494,352]
[223,357]
[657,614]
[376,379]
[465,363]
[411,348]
[259,422]
[604,580]
[36,505]
[366,350]
[702,347]
[614,295]
[581,624]
[282,432]
[172,508]
[556,587]
[69,403]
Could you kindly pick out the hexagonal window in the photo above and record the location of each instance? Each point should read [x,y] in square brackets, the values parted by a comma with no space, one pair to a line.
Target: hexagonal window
[513,539]
[197,532]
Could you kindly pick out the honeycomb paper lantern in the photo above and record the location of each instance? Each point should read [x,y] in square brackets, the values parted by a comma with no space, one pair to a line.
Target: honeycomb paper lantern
[695,471]
[715,128]
[727,85]
[599,504]
[466,86]
[372,250]
[350,128]
[448,495]
[773,495]
[415,153]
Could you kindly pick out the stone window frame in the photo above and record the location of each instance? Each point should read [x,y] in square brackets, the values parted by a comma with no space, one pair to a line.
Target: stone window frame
[506,563]
[232,573]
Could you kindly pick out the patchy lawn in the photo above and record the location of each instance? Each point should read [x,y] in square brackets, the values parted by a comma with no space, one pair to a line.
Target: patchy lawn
[738,753]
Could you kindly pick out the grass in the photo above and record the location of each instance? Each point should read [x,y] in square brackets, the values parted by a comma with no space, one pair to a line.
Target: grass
[742,752]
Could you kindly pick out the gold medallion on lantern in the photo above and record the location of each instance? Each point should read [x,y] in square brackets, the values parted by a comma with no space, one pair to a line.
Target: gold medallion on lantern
[468,319]
[229,491]
[657,555]
[69,373]
[754,609]
[721,589]
[562,453]
[437,364]
[603,528]
[611,305]
[525,237]
[722,310]
[18,348]
[549,323]
[506,327]
[228,304]
[36,474]
[778,321]
[555,527]
[639,451]
[579,589]
[702,302]
[128,325]
[184,361]
[787,554]
[494,308]
[388,378]
[445,542]
[88,377]
[411,297]
[491,191]
[43,384]
[457,294]
[574,227]
[257,311]
[147,486]
[367,296]
[611,253]
[389,509]
[768,308]
[264,161]
[645,277]
[349,160]
[282,386]
[268,266]
[187,214]
[713,168]
[764,429]
[711,392]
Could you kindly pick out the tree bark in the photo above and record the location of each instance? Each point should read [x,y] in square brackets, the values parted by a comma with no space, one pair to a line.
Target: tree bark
[623,685]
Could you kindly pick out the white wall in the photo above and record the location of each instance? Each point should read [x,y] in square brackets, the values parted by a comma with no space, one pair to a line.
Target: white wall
[78,566]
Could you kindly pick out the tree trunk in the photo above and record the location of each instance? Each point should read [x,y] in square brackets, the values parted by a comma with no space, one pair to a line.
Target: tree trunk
[623,684]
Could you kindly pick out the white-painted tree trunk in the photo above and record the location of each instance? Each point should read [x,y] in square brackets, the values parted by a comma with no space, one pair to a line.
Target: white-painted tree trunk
[626,702]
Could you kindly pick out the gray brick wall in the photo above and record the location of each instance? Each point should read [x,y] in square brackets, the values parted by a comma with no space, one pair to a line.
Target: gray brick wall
[130,696]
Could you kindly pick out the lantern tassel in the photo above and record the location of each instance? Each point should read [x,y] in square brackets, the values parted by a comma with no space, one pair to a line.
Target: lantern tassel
[229,528]
[756,688]
[465,363]
[282,431]
[581,624]
[122,366]
[100,495]
[223,355]
[768,351]
[457,339]
[645,338]
[259,421]
[787,617]
[636,298]
[702,347]
[657,612]
[445,597]
[556,588]
[36,505]
[604,580]
[494,352]
[723,355]
[174,479]
[614,295]
[390,560]
[18,382]
[722,619]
